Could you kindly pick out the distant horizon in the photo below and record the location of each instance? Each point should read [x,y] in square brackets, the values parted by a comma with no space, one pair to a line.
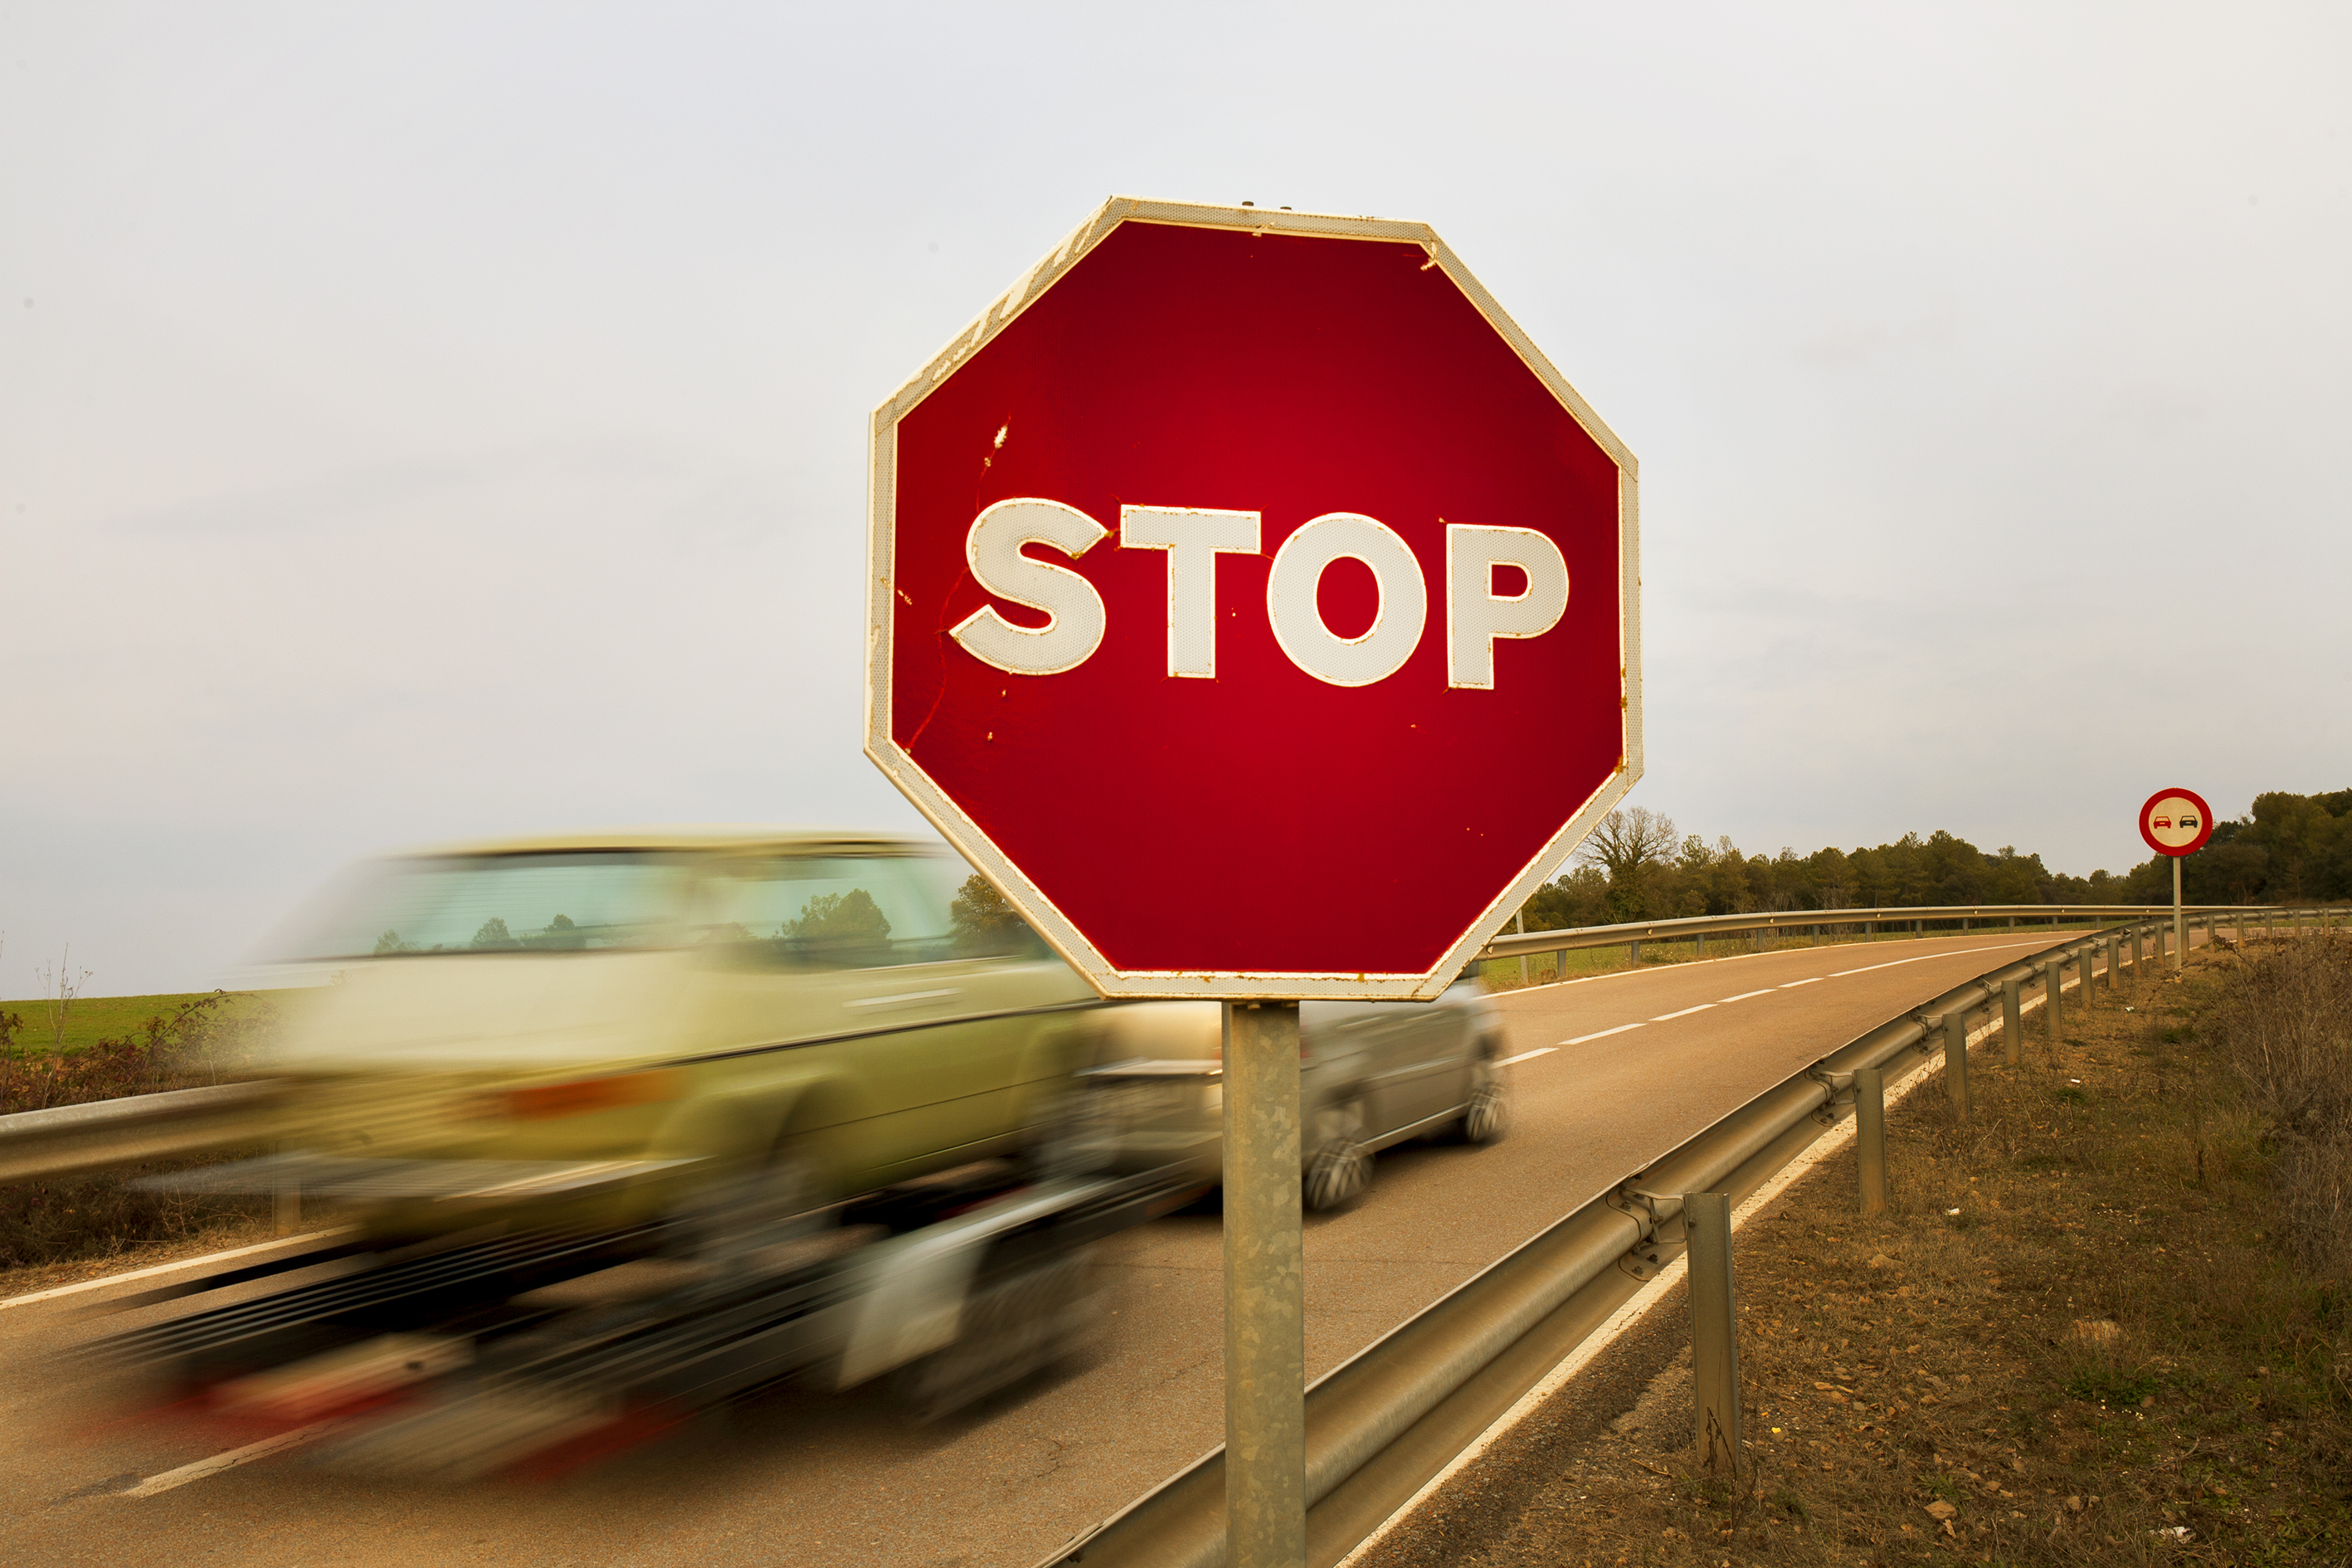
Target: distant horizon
[422,425]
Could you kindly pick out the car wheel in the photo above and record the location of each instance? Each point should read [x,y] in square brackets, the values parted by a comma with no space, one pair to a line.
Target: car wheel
[1338,1166]
[1487,1116]
[1072,1135]
[1012,1326]
[730,1221]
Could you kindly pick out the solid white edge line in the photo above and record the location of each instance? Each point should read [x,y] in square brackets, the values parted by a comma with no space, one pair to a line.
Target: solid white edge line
[1892,963]
[1644,1299]
[1604,1034]
[1736,957]
[1670,1017]
[337,1233]
[230,1460]
[1527,1056]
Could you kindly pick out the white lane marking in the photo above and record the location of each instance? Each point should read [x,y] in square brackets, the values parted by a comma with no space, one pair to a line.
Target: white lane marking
[1744,995]
[1991,947]
[337,1234]
[230,1460]
[1602,1036]
[1667,1017]
[1527,1056]
[1794,984]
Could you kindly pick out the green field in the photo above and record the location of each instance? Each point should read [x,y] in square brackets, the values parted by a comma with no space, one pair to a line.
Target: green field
[94,1019]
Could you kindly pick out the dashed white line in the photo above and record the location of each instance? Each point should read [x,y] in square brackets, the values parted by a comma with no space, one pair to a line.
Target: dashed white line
[1602,1036]
[230,1460]
[76,1289]
[1527,1056]
[1667,1017]
[1744,995]
[1794,984]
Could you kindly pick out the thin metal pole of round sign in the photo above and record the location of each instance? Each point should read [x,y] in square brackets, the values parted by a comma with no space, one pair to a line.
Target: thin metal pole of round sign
[2179,930]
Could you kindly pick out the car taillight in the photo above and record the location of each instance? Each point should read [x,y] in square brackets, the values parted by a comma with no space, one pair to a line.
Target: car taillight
[585,1094]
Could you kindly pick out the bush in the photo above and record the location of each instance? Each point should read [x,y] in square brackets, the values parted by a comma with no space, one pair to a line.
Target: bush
[201,1041]
[2287,1026]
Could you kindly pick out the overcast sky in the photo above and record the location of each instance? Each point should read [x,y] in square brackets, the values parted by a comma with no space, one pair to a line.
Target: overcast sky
[421,421]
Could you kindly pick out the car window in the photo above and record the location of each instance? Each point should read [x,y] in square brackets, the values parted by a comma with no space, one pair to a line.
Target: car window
[837,911]
[500,903]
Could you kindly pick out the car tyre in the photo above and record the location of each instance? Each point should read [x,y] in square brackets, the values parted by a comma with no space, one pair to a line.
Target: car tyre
[730,1222]
[1486,1115]
[1338,1165]
[1074,1135]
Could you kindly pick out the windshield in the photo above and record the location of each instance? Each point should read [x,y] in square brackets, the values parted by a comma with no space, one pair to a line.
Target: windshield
[502,903]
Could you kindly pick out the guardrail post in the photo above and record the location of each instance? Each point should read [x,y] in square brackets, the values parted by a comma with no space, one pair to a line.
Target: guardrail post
[1870,1137]
[2115,961]
[1956,1062]
[1715,1322]
[1265,1291]
[1633,952]
[2053,974]
[2085,957]
[1698,944]
[1759,934]
[2012,1021]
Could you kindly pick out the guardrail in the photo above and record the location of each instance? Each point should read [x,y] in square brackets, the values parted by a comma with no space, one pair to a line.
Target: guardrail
[1383,1423]
[1571,939]
[72,1139]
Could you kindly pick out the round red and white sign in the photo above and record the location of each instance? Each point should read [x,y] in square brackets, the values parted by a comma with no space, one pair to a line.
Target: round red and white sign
[2175,822]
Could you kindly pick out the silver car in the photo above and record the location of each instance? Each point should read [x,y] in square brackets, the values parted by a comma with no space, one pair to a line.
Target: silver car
[1371,1075]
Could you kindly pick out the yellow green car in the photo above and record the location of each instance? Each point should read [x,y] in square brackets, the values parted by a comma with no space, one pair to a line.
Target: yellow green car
[704,1030]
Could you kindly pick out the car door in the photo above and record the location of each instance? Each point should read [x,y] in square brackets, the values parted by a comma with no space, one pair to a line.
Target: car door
[853,959]
[1426,1045]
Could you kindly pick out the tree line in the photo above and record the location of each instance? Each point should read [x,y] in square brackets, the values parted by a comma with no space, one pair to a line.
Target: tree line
[1638,866]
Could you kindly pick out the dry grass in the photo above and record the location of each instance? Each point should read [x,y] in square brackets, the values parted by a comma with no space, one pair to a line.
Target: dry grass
[2081,1336]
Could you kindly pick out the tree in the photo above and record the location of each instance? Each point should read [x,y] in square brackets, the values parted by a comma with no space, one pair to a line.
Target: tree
[983,922]
[1632,843]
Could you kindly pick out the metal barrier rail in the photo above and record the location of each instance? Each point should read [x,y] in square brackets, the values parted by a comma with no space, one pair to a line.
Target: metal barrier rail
[1384,1423]
[71,1140]
[1570,939]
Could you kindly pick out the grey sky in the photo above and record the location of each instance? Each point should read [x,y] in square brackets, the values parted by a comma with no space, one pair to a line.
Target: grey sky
[424,421]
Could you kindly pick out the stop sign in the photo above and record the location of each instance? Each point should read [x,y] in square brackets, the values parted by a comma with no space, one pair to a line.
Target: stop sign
[1254,605]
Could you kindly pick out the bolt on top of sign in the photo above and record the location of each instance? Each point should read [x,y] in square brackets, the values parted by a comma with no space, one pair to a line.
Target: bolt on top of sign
[1254,605]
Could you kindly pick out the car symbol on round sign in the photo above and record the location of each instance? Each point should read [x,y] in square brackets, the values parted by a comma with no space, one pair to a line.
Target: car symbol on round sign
[2175,822]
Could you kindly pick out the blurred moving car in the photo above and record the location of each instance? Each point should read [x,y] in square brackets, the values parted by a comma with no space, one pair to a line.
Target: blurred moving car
[712,1029]
[1371,1075]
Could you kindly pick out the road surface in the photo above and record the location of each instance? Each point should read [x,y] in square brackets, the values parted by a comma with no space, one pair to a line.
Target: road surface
[1611,1071]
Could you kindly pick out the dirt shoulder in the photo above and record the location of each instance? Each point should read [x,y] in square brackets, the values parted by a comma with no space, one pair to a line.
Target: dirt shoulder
[2074,1339]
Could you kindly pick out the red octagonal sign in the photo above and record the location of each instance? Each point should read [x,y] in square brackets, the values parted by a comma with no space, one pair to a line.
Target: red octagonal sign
[1254,605]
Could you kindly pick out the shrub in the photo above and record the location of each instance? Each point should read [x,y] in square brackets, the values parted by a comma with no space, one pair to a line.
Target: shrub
[2287,1026]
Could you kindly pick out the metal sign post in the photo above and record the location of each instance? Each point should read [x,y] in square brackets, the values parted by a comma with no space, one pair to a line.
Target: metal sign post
[2175,823]
[1265,1291]
[1100,524]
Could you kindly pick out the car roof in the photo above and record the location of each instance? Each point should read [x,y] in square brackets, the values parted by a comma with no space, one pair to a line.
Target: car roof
[714,839]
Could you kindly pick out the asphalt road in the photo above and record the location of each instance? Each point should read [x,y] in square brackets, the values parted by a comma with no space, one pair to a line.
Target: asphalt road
[1613,1071]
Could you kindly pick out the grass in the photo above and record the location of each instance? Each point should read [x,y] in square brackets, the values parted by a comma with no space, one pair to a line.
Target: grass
[91,1019]
[1543,968]
[2083,1335]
